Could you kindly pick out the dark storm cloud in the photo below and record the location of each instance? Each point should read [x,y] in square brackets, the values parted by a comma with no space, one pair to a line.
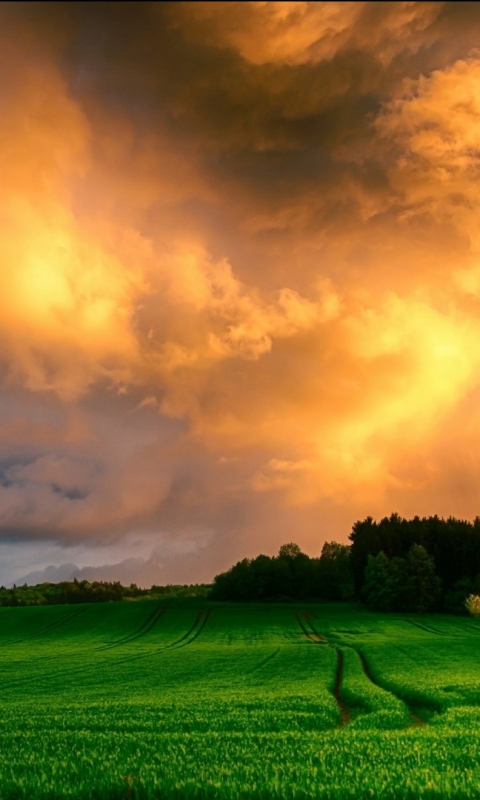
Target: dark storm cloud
[239,263]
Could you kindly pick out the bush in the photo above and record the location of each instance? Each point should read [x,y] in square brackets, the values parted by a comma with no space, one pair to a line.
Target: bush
[472,604]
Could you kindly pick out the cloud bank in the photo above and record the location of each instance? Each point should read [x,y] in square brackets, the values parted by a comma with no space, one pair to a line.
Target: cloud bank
[240,276]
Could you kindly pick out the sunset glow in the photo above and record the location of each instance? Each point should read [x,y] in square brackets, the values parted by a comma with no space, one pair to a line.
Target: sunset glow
[240,265]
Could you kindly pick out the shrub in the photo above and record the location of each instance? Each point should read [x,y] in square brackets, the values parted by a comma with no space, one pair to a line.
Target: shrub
[472,604]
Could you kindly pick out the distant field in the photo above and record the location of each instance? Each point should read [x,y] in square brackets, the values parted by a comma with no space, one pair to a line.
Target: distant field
[198,700]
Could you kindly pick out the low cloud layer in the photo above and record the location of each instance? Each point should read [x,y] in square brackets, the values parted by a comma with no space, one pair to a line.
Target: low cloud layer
[240,277]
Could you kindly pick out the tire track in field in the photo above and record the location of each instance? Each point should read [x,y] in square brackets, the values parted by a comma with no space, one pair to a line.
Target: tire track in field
[264,661]
[416,720]
[469,624]
[157,613]
[200,621]
[467,627]
[429,629]
[313,629]
[181,642]
[145,628]
[345,712]
[47,629]
[202,617]
[312,636]
[317,638]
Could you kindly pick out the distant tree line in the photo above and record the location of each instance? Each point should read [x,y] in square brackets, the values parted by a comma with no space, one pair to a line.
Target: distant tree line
[421,564]
[96,592]
[417,565]
[289,575]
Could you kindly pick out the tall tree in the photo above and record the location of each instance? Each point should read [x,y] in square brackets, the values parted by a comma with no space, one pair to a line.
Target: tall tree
[423,585]
[335,572]
[378,591]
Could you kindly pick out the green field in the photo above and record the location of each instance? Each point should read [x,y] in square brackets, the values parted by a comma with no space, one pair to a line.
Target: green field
[181,700]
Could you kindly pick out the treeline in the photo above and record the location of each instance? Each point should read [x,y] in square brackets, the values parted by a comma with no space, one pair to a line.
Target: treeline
[96,592]
[421,564]
[289,575]
[417,565]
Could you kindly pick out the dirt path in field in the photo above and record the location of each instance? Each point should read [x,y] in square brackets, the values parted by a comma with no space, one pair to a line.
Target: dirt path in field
[416,720]
[345,712]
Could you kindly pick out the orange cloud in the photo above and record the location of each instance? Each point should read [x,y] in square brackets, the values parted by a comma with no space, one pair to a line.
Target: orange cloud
[66,300]
[242,248]
[435,126]
[296,33]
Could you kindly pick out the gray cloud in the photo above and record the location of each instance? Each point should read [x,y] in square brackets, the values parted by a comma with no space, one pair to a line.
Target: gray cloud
[230,317]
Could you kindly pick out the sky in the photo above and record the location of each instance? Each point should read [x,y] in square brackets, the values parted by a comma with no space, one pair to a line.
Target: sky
[240,270]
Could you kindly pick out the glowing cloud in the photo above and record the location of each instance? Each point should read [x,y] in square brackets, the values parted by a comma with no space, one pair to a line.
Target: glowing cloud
[239,256]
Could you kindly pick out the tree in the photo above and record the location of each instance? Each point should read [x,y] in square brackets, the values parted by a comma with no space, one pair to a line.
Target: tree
[454,545]
[293,572]
[378,590]
[335,572]
[399,584]
[423,584]
[289,575]
[290,550]
[366,542]
[454,602]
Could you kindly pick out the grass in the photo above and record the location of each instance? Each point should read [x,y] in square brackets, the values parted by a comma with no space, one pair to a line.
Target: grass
[199,700]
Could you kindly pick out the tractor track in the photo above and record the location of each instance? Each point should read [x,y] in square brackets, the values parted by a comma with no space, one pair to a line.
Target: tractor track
[429,629]
[265,661]
[316,638]
[345,712]
[312,636]
[183,641]
[314,630]
[145,628]
[202,618]
[416,720]
[47,629]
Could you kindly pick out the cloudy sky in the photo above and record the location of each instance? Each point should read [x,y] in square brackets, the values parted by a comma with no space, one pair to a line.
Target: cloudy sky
[240,271]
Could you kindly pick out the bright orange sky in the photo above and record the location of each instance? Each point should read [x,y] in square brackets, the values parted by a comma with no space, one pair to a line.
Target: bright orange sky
[240,261]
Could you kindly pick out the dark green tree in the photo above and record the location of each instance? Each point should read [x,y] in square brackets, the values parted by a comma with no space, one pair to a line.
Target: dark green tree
[378,591]
[334,571]
[423,584]
[453,544]
[290,550]
[402,584]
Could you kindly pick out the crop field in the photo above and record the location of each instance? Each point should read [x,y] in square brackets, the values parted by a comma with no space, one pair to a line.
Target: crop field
[202,700]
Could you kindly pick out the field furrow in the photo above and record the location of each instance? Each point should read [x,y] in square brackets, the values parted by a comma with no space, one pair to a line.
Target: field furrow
[229,701]
[197,628]
[45,630]
[429,628]
[147,626]
[265,660]
[345,712]
[312,635]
